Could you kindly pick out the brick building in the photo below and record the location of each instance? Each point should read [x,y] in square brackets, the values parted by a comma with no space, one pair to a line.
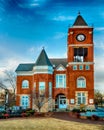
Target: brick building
[69,81]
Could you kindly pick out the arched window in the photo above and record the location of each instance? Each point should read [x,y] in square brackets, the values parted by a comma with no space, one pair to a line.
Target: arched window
[25,101]
[81,82]
[25,84]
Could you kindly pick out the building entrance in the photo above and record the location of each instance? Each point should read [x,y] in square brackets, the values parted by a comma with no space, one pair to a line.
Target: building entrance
[60,102]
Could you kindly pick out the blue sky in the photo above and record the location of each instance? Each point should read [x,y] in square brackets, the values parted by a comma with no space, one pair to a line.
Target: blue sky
[28,25]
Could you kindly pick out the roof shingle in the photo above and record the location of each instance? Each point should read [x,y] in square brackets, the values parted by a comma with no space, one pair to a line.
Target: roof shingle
[80,21]
[43,59]
[25,67]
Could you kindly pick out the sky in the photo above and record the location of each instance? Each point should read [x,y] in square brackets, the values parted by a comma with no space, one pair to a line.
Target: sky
[26,26]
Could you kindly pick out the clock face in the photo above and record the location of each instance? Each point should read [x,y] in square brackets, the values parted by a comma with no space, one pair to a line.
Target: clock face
[80,37]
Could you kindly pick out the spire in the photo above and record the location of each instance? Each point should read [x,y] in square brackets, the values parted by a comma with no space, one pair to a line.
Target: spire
[43,59]
[79,13]
[80,21]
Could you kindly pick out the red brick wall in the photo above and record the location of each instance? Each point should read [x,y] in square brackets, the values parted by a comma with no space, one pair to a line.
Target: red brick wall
[74,74]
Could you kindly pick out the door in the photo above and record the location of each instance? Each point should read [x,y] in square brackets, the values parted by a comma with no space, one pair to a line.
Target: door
[62,102]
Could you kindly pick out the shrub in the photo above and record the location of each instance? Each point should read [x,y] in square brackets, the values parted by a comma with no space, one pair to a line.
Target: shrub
[31,112]
[95,117]
[23,114]
[76,110]
[6,115]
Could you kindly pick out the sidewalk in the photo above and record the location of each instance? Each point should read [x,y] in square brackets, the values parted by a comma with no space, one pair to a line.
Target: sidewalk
[65,116]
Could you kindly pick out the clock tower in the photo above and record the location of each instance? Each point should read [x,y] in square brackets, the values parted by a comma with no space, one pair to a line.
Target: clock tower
[80,69]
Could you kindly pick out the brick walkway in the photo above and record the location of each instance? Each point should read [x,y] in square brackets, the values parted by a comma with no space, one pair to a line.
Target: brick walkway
[65,116]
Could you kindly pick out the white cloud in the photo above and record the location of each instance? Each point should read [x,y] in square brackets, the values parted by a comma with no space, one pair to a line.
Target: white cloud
[99,28]
[63,18]
[32,3]
[99,46]
[59,35]
[99,73]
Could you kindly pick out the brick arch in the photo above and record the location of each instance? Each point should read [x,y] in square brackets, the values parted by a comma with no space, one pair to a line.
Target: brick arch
[61,93]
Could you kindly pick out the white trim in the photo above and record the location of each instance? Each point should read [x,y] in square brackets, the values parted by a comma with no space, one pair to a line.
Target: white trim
[60,66]
[79,63]
[22,94]
[58,81]
[28,95]
[25,73]
[37,70]
[86,95]
[78,45]
[43,70]
[81,82]
[78,26]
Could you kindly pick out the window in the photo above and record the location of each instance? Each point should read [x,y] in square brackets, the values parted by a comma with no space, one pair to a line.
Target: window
[80,67]
[25,101]
[80,54]
[50,89]
[60,81]
[74,67]
[87,67]
[41,88]
[25,84]
[81,82]
[81,98]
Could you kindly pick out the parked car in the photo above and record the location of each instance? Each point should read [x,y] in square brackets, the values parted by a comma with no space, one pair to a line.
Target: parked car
[2,108]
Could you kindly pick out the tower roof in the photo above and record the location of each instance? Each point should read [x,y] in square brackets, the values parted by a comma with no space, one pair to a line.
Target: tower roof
[43,59]
[80,21]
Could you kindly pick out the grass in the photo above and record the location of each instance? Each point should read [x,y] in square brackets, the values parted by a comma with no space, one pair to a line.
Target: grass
[46,124]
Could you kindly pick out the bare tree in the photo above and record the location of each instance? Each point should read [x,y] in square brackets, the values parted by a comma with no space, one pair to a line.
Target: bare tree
[40,100]
[2,86]
[98,97]
[9,81]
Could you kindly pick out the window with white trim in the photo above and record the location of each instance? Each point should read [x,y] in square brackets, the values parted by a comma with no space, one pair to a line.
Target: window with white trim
[25,84]
[25,101]
[80,67]
[81,98]
[41,88]
[60,80]
[87,67]
[74,67]
[81,82]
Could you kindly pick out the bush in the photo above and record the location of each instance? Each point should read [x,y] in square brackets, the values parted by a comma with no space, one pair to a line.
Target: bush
[6,115]
[30,112]
[95,117]
[76,110]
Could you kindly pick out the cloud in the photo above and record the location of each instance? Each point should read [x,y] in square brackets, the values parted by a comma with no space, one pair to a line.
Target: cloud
[62,18]
[99,73]
[31,3]
[100,46]
[59,35]
[99,28]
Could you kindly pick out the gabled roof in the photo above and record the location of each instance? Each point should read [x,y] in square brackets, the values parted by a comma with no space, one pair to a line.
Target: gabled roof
[25,67]
[80,21]
[43,59]
[60,67]
[58,61]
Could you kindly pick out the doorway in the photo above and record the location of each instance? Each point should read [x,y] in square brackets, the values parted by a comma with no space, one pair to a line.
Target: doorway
[60,101]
